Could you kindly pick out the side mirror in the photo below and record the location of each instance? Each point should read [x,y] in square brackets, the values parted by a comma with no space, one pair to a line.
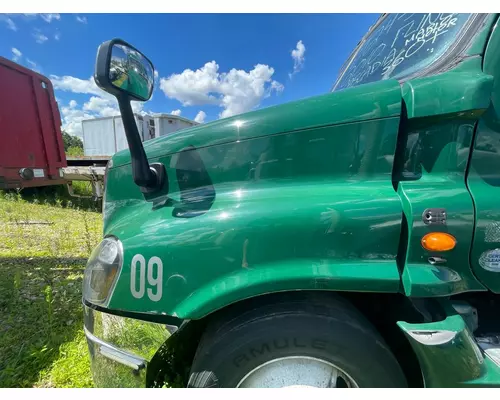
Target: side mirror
[126,73]
[123,70]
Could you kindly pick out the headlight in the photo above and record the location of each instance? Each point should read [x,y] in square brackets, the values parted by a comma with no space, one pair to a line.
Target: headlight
[102,270]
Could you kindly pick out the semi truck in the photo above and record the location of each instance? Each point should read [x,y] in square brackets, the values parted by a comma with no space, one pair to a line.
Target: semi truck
[346,240]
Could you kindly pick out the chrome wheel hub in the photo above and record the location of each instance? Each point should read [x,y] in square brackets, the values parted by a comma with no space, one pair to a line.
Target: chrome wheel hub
[297,372]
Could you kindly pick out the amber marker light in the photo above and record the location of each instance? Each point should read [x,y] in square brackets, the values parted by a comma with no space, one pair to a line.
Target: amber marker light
[438,241]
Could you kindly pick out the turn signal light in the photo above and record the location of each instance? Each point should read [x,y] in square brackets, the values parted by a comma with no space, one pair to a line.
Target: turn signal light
[438,241]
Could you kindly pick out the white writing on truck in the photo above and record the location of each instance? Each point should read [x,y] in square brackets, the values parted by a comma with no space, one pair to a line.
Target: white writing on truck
[153,271]
[398,39]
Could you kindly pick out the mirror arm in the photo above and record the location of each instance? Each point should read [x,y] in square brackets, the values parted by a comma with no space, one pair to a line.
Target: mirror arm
[151,178]
[144,176]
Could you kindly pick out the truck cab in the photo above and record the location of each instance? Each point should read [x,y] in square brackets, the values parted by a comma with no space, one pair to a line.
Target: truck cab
[350,239]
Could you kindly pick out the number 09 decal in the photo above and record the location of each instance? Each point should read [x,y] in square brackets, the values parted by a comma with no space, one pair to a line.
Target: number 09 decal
[154,273]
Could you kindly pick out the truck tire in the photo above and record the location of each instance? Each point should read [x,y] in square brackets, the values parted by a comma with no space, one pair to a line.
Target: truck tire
[304,339]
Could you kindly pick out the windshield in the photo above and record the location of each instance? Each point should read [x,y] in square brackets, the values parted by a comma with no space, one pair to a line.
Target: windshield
[400,45]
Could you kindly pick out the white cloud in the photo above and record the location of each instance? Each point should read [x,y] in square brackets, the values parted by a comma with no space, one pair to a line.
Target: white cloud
[276,86]
[103,107]
[40,37]
[193,87]
[83,20]
[100,104]
[298,58]
[33,65]
[176,112]
[236,91]
[137,107]
[16,54]
[49,17]
[57,36]
[97,103]
[156,74]
[17,57]
[10,24]
[76,85]
[27,16]
[200,117]
[73,115]
[72,118]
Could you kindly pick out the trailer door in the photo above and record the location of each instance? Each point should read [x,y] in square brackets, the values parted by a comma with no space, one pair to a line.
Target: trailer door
[30,129]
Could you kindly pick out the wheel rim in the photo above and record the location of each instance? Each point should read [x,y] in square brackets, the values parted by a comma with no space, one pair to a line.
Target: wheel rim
[297,372]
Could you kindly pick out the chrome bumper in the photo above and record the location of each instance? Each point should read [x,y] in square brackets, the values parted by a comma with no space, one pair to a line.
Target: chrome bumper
[120,348]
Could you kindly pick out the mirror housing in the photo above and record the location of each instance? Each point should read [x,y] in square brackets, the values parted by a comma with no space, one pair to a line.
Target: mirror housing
[126,73]
[122,70]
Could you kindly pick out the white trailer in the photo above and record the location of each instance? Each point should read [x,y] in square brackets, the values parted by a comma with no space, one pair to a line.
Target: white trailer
[165,124]
[106,136]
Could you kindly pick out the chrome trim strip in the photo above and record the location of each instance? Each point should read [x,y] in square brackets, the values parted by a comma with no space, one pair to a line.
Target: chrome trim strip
[433,337]
[491,347]
[115,354]
[493,354]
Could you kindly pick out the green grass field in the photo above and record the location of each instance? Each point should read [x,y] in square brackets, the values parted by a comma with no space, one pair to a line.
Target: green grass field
[44,245]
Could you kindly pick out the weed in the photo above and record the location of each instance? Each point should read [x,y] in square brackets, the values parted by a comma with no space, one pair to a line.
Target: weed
[17,283]
[88,236]
[49,299]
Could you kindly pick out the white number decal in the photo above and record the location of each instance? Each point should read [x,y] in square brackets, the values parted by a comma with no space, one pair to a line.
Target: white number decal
[155,280]
[138,258]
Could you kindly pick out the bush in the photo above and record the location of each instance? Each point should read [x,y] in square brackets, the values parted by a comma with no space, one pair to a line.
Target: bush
[71,141]
[74,151]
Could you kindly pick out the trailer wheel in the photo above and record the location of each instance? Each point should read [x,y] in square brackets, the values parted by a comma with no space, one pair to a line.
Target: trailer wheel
[309,341]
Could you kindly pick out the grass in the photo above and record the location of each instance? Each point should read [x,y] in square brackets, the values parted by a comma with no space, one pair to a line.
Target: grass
[82,188]
[44,243]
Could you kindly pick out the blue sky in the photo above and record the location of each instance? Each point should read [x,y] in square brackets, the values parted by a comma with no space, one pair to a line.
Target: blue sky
[209,65]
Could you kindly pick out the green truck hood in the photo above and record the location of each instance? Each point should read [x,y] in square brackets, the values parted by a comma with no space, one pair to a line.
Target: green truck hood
[371,101]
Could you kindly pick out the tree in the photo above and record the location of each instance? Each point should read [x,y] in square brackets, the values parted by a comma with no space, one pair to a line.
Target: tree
[71,141]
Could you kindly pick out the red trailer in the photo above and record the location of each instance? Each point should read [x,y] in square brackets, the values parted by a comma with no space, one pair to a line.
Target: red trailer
[31,145]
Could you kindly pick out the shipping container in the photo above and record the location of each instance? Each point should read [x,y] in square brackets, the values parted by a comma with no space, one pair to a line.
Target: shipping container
[105,136]
[31,145]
